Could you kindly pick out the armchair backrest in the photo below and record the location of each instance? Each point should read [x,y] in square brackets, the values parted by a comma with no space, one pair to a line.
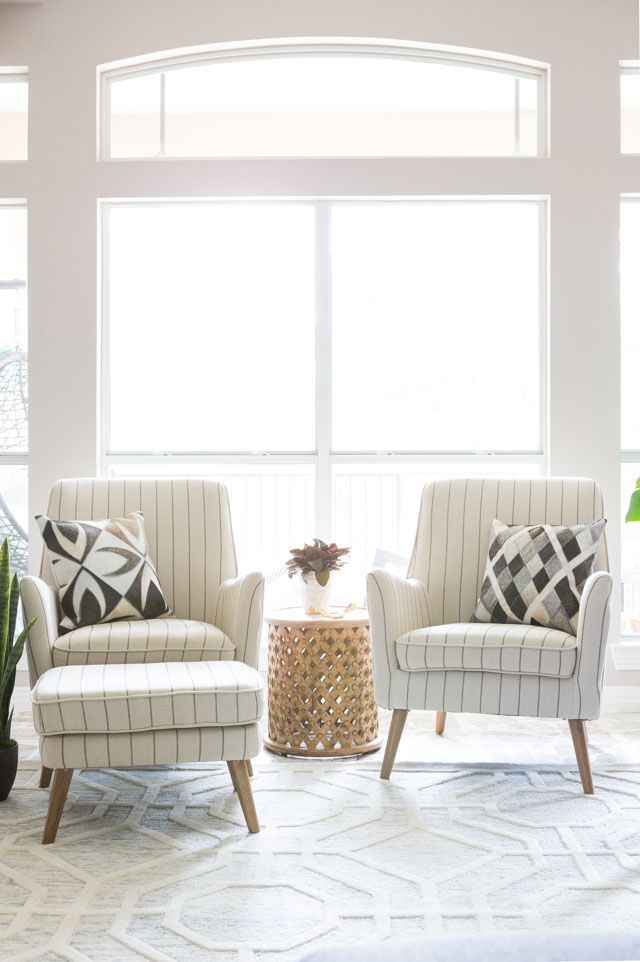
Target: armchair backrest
[188,526]
[454,525]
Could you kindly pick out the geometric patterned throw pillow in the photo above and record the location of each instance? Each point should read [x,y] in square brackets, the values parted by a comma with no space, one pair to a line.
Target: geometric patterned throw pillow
[102,570]
[536,573]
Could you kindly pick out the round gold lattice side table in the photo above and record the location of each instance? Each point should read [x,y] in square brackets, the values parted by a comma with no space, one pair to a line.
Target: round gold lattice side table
[321,700]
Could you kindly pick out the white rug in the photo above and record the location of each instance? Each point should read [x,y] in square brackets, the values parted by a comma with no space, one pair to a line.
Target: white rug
[157,864]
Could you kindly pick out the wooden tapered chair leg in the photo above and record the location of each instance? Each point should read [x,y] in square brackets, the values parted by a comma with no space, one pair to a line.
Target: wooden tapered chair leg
[249,768]
[45,776]
[398,719]
[242,785]
[441,717]
[61,782]
[579,735]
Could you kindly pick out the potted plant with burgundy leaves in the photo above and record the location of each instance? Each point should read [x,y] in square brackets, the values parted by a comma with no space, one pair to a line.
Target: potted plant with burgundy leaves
[315,564]
[11,649]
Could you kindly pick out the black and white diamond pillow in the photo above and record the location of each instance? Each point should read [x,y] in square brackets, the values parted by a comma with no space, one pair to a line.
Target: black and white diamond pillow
[535,574]
[102,570]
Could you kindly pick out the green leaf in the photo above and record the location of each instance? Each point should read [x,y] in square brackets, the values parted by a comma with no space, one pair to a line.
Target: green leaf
[14,598]
[5,734]
[8,678]
[322,577]
[633,514]
[5,577]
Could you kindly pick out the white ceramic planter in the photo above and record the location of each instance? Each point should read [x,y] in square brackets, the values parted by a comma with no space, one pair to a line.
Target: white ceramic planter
[314,595]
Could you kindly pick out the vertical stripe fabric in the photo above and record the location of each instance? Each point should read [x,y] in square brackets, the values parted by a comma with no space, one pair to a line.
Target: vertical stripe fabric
[188,527]
[442,587]
[161,747]
[454,527]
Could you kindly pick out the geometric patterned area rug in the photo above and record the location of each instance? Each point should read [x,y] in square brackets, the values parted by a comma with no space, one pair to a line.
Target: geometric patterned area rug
[156,864]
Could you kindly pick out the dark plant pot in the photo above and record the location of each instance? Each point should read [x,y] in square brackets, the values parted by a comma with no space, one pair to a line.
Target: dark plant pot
[8,769]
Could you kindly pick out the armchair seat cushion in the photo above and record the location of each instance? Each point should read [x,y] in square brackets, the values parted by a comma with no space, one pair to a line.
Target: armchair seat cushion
[508,649]
[154,640]
[93,699]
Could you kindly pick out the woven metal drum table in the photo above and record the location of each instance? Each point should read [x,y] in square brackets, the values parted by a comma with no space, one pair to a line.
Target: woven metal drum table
[321,700]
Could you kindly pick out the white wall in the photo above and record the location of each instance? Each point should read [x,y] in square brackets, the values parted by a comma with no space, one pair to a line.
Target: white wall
[63,41]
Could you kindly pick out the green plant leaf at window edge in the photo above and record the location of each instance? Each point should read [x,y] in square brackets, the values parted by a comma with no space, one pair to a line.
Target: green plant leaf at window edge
[633,514]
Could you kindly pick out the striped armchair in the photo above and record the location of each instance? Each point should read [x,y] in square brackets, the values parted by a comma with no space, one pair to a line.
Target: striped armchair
[215,618]
[216,615]
[427,654]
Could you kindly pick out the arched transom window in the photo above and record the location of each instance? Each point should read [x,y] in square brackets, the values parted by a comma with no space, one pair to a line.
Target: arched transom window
[317,99]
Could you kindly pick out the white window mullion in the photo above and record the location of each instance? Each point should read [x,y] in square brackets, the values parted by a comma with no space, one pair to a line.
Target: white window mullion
[324,519]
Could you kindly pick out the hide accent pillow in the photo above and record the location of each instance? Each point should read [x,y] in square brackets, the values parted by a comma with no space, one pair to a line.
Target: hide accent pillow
[102,570]
[535,574]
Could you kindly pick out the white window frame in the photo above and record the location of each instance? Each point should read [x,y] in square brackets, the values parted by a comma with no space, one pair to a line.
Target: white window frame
[324,457]
[220,53]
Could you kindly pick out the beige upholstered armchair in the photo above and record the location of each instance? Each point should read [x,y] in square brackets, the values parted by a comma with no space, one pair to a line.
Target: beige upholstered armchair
[427,654]
[179,688]
[216,616]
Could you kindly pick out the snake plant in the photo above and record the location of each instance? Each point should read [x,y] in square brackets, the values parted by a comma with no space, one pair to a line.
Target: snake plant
[11,648]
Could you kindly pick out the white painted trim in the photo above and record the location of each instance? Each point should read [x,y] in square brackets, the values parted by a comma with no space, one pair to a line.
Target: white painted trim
[412,50]
[324,372]
[616,698]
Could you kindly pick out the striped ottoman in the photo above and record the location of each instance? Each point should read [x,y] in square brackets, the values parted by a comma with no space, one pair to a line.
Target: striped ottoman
[119,716]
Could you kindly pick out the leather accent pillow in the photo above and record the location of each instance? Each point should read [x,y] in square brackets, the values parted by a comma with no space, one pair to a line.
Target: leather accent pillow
[102,570]
[535,574]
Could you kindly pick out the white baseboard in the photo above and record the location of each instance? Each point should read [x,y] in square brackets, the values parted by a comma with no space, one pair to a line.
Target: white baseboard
[621,698]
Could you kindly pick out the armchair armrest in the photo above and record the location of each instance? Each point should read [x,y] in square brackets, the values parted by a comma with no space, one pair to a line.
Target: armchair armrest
[39,601]
[239,614]
[396,605]
[593,632]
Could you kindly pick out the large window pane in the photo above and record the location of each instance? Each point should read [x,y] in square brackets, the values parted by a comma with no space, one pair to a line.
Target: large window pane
[630,321]
[135,116]
[436,327]
[328,104]
[211,318]
[13,382]
[630,111]
[14,95]
[13,330]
